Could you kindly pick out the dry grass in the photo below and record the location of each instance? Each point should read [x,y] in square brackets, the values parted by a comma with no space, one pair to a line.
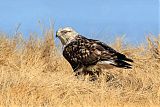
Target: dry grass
[33,73]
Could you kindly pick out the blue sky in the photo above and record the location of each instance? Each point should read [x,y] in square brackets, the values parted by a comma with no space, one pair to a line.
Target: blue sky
[99,19]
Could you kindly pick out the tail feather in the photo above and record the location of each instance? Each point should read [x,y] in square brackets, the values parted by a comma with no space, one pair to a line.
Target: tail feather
[123,57]
[118,60]
[127,59]
[121,64]
[117,63]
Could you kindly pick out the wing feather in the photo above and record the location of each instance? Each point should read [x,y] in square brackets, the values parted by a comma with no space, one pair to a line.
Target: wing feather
[85,52]
[110,52]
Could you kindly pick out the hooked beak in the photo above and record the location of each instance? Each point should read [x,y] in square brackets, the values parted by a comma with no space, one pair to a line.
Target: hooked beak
[56,34]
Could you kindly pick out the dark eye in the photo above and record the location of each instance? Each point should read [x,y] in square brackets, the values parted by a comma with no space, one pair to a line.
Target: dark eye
[65,31]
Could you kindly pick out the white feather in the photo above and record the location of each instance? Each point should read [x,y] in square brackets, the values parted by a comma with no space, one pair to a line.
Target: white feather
[106,62]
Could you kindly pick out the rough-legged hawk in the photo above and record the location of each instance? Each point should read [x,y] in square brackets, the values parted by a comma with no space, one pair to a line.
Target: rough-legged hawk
[83,52]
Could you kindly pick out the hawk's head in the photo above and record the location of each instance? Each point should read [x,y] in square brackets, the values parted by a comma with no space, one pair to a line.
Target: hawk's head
[66,35]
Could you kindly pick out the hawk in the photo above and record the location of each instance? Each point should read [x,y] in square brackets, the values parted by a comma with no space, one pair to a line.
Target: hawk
[81,52]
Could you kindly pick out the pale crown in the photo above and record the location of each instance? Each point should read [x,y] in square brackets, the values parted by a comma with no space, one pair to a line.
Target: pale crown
[66,35]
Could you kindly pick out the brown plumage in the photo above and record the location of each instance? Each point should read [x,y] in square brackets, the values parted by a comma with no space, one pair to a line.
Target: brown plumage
[83,52]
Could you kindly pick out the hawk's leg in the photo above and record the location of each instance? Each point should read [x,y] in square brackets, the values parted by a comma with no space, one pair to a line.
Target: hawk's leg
[78,71]
[93,71]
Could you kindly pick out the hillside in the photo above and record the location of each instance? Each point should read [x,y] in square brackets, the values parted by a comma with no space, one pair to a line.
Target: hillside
[34,73]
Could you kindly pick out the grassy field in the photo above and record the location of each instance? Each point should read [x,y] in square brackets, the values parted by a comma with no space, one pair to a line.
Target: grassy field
[34,73]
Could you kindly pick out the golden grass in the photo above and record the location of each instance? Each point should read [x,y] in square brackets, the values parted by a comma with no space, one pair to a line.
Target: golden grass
[34,73]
